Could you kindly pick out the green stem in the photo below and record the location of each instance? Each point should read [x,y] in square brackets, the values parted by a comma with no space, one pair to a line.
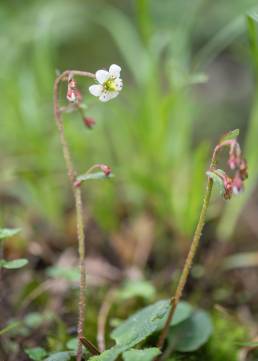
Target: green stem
[78,201]
[189,259]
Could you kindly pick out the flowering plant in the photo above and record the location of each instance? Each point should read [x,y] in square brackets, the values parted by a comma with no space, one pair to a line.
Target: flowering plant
[110,84]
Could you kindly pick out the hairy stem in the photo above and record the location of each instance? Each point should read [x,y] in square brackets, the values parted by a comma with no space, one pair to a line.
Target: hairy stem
[77,197]
[189,259]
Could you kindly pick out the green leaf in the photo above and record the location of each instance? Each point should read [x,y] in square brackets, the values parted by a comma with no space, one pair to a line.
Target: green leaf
[16,263]
[70,274]
[141,355]
[248,344]
[131,289]
[34,319]
[233,134]
[241,260]
[93,176]
[148,320]
[2,262]
[214,175]
[252,35]
[60,356]
[192,333]
[72,343]
[9,327]
[141,325]
[7,232]
[36,353]
[111,354]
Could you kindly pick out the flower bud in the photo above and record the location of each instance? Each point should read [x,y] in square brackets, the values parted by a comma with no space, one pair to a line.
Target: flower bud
[105,169]
[237,184]
[234,155]
[89,122]
[227,187]
[243,172]
[73,94]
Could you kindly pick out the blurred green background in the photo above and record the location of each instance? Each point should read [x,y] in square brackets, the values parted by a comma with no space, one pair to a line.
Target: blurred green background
[190,74]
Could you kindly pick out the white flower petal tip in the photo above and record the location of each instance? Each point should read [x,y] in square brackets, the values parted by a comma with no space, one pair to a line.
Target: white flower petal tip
[114,70]
[110,83]
[96,89]
[102,76]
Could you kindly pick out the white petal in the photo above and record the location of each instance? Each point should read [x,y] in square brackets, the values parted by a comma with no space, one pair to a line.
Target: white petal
[113,94]
[102,76]
[96,90]
[105,96]
[114,70]
[118,83]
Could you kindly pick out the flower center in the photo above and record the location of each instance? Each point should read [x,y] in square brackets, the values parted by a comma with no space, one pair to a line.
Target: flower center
[109,85]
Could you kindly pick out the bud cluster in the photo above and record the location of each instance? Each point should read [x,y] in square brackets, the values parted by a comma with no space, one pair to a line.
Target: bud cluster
[232,184]
[73,93]
[239,165]
[74,96]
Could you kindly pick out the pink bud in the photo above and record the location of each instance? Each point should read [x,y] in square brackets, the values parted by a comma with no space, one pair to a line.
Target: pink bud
[89,122]
[73,94]
[243,171]
[234,155]
[237,184]
[105,169]
[228,187]
[77,183]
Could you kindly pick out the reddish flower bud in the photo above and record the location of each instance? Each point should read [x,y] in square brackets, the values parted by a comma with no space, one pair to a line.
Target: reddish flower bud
[89,122]
[228,187]
[234,155]
[243,171]
[73,94]
[105,169]
[237,184]
[77,183]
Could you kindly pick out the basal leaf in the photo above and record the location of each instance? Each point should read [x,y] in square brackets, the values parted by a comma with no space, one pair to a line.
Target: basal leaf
[60,356]
[72,344]
[68,273]
[36,353]
[7,232]
[192,333]
[16,263]
[147,321]
[142,289]
[141,355]
[111,354]
[141,325]
[9,327]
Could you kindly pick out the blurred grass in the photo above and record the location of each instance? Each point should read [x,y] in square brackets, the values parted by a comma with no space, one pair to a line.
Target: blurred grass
[152,135]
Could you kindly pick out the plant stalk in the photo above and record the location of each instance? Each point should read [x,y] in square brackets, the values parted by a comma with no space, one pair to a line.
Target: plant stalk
[189,259]
[78,201]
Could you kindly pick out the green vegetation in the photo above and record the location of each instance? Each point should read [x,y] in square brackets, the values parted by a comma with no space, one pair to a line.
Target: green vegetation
[139,167]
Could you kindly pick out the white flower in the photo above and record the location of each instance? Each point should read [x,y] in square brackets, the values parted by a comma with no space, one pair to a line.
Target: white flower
[110,83]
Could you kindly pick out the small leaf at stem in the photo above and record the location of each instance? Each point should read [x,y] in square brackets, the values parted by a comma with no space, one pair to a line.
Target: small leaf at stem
[233,134]
[93,176]
[215,176]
